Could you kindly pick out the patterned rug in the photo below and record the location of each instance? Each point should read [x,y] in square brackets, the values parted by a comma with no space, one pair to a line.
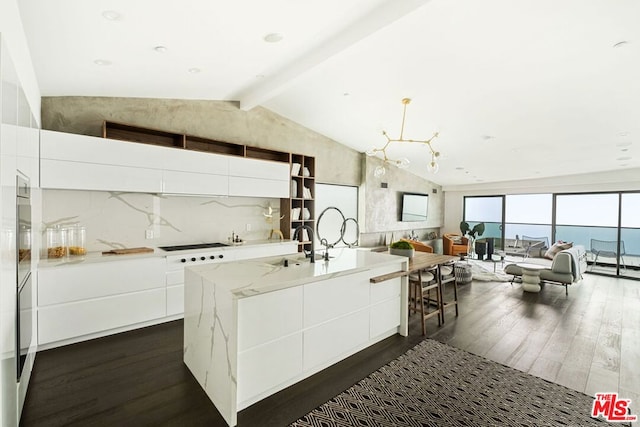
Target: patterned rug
[435,384]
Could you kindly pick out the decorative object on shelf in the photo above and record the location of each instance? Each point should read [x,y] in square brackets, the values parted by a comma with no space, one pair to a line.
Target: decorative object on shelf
[306,214]
[306,193]
[295,213]
[295,169]
[432,235]
[472,234]
[305,172]
[402,248]
[268,215]
[294,188]
[404,162]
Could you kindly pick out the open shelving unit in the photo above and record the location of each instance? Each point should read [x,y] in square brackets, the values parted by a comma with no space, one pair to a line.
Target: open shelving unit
[300,201]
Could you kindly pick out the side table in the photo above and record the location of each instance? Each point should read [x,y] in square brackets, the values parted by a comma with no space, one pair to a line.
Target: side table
[531,276]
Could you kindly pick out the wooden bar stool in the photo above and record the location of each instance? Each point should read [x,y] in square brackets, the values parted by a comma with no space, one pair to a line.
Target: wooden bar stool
[425,296]
[447,275]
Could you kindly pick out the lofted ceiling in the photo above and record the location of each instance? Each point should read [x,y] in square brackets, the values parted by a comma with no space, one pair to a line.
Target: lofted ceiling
[517,89]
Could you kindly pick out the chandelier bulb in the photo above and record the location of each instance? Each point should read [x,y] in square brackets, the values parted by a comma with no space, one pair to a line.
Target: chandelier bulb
[433,167]
[371,152]
[403,163]
[379,171]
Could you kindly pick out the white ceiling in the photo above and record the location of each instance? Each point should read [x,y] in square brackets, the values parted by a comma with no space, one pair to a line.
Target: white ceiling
[517,89]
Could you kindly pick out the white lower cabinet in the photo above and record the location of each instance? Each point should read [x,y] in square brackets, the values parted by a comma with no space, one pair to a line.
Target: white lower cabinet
[287,335]
[269,341]
[93,299]
[66,321]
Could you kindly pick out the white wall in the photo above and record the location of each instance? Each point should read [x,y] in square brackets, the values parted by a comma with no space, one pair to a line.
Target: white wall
[623,180]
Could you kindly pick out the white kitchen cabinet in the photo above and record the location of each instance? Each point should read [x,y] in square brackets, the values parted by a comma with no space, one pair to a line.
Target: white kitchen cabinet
[96,317]
[91,149]
[258,178]
[78,282]
[194,161]
[88,300]
[177,182]
[65,175]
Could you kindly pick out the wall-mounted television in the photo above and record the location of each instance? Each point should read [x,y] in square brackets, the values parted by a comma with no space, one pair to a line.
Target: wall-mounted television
[414,207]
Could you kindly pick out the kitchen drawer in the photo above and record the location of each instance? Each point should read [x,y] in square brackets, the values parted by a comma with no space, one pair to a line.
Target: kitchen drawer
[270,316]
[65,321]
[336,297]
[175,300]
[324,344]
[384,316]
[79,282]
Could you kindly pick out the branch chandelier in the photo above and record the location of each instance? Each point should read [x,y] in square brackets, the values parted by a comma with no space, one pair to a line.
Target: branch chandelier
[404,162]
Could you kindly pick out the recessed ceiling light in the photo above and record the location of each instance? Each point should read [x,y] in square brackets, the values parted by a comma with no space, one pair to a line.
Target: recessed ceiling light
[160,49]
[621,43]
[346,94]
[102,62]
[623,144]
[273,37]
[111,15]
[259,76]
[459,168]
[623,158]
[487,137]
[194,70]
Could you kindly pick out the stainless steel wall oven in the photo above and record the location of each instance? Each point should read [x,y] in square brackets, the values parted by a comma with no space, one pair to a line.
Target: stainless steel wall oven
[24,303]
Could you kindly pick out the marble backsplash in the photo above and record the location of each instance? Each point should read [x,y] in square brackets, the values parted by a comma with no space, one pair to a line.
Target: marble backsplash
[121,220]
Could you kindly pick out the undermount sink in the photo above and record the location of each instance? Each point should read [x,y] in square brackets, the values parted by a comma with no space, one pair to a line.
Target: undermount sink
[292,260]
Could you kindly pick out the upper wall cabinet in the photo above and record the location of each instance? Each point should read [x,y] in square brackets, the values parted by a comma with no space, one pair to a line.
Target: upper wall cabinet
[258,178]
[79,162]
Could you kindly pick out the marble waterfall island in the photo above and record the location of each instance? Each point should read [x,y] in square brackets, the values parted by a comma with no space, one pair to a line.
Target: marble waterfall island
[254,327]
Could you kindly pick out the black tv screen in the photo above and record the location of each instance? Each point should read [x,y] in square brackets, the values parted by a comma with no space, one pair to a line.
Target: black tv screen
[415,207]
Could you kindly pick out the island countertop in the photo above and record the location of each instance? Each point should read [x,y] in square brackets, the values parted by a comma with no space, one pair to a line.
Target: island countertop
[261,275]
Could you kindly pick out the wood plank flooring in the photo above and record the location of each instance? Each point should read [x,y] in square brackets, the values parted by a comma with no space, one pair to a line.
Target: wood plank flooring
[588,341]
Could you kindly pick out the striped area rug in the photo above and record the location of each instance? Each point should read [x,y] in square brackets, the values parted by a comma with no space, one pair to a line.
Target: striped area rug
[435,384]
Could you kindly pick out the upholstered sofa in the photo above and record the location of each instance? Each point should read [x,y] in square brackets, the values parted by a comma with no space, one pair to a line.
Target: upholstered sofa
[566,268]
[534,247]
[450,245]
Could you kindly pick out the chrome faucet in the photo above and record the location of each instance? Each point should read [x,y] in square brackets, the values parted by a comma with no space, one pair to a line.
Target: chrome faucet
[296,234]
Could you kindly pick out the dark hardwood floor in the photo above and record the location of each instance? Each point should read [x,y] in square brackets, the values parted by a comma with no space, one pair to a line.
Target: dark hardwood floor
[588,341]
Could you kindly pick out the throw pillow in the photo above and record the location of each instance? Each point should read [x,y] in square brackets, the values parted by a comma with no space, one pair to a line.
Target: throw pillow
[557,247]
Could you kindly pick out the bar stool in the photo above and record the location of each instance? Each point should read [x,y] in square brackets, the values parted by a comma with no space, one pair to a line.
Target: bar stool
[447,275]
[424,290]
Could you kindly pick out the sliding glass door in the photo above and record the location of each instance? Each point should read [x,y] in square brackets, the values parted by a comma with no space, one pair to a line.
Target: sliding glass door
[630,234]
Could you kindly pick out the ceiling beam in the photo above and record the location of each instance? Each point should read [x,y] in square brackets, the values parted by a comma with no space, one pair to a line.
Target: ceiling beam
[389,12]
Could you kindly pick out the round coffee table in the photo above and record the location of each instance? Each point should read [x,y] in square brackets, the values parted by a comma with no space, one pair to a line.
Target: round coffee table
[531,276]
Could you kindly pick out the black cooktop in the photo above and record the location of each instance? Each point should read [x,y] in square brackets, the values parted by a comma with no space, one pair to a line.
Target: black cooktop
[192,246]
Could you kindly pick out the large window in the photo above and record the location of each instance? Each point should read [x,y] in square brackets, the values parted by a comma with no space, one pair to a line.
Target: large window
[487,210]
[528,215]
[606,224]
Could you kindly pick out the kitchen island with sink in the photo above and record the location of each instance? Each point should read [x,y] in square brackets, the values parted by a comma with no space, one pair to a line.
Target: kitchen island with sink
[254,327]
